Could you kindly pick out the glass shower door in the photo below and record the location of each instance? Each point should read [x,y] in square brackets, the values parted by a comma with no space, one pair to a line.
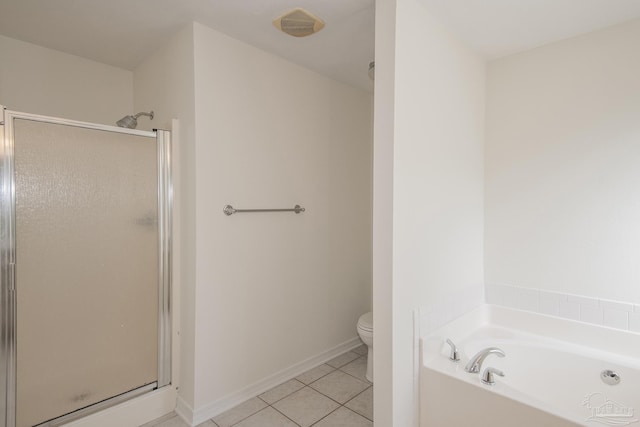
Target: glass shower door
[88,264]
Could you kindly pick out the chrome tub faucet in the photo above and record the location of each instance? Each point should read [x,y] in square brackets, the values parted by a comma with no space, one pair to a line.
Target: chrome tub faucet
[475,363]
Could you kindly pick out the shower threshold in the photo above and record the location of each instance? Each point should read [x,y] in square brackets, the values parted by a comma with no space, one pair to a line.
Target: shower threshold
[99,406]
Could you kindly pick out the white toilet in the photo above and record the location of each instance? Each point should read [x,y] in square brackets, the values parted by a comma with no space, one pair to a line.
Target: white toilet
[365,330]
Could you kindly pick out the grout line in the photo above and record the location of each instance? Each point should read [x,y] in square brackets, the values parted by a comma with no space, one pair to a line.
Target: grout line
[239,421]
[284,415]
[344,364]
[326,416]
[365,380]
[351,410]
[345,403]
[284,397]
[322,394]
[319,378]
[328,397]
[333,369]
[331,398]
[338,408]
[359,379]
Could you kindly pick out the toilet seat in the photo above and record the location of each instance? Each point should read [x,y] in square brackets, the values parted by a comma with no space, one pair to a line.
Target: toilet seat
[365,322]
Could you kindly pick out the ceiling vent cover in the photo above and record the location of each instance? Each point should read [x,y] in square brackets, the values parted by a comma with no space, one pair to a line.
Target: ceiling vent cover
[299,23]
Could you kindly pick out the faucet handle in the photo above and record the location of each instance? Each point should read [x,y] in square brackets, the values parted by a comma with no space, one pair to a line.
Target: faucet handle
[455,354]
[487,375]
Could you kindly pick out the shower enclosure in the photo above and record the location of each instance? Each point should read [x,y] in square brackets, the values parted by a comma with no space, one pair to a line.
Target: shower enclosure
[85,267]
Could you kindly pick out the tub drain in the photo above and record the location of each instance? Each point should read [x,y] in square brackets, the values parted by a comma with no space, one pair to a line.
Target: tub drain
[609,377]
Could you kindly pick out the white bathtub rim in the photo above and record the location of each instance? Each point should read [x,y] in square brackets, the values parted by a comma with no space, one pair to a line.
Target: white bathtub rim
[561,345]
[433,348]
[621,342]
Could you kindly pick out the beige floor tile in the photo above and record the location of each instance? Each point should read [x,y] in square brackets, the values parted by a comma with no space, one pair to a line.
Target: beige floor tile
[357,368]
[343,359]
[306,406]
[168,421]
[173,420]
[344,418]
[239,413]
[268,417]
[362,350]
[315,374]
[159,420]
[339,386]
[362,403]
[281,391]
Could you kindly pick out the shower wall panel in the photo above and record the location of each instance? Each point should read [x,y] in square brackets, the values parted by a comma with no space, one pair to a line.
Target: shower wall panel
[86,267]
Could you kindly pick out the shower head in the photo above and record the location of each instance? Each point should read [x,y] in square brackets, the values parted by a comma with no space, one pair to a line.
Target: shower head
[131,122]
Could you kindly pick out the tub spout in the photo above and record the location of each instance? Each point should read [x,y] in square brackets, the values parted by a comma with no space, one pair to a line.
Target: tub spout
[475,364]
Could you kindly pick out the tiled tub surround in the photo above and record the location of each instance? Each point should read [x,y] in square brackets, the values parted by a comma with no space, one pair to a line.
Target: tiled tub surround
[602,312]
[444,310]
[335,393]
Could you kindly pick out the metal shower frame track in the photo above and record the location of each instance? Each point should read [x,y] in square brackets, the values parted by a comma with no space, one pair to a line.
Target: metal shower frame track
[8,263]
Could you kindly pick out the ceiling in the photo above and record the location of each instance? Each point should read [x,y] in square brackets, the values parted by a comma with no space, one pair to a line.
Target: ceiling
[501,27]
[123,33]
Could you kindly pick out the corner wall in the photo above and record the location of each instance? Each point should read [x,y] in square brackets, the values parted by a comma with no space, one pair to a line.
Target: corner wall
[275,289]
[437,194]
[37,80]
[164,82]
[562,175]
[382,270]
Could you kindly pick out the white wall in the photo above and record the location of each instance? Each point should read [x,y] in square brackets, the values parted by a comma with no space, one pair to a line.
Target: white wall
[275,289]
[437,188]
[164,83]
[38,80]
[255,294]
[382,271]
[562,175]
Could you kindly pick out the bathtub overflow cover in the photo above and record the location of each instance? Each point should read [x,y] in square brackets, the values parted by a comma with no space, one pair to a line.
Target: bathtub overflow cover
[610,377]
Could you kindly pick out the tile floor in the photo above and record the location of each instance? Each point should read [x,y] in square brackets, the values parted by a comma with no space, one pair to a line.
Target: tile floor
[334,394]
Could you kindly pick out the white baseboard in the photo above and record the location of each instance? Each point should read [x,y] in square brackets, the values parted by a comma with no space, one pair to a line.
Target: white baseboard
[417,320]
[194,417]
[184,411]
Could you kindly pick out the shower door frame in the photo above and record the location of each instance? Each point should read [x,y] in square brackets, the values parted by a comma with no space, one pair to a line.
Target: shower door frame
[8,263]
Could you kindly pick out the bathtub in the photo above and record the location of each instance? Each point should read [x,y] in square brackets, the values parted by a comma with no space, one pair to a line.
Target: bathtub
[552,373]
